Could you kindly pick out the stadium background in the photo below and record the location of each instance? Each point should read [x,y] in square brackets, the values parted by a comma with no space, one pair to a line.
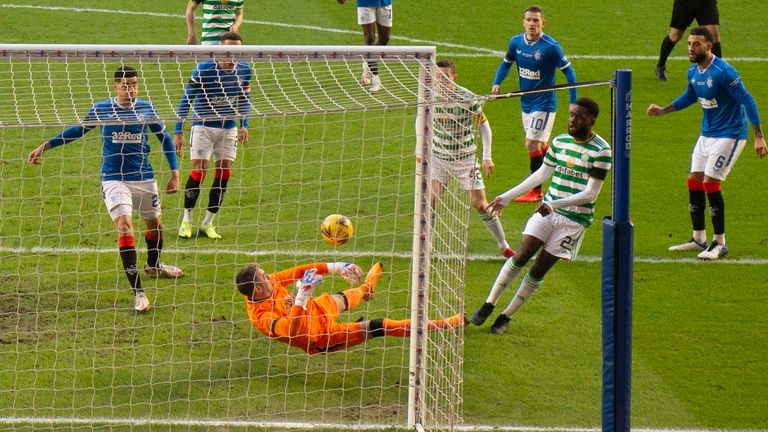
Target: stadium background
[700,329]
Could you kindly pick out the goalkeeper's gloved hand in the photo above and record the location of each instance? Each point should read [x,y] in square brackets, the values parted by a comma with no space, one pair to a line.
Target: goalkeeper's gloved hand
[305,286]
[351,273]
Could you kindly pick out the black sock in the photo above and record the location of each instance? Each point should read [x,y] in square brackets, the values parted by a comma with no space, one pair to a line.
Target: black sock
[717,49]
[666,49]
[535,163]
[697,204]
[154,247]
[216,196]
[717,211]
[128,256]
[191,192]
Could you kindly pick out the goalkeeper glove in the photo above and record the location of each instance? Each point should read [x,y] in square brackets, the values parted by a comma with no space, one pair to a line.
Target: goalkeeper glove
[305,286]
[351,273]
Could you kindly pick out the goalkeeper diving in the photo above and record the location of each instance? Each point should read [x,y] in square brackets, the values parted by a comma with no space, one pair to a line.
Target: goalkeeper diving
[310,323]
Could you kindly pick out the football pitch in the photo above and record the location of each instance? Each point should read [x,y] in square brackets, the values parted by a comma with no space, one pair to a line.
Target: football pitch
[700,342]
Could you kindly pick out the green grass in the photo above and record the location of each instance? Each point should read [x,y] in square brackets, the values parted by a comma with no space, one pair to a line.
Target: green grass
[699,329]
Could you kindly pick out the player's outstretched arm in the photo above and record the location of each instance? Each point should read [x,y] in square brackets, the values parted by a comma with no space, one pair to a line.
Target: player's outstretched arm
[350,272]
[35,155]
[536,178]
[239,15]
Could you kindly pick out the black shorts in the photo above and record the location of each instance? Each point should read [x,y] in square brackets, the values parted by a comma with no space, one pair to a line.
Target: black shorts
[685,11]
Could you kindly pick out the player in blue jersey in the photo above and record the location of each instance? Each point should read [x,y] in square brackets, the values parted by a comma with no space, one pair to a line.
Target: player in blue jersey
[127,179]
[218,94]
[726,104]
[537,56]
[376,18]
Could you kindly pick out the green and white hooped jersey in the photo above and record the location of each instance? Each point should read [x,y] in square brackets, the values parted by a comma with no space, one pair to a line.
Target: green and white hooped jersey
[453,132]
[573,161]
[218,17]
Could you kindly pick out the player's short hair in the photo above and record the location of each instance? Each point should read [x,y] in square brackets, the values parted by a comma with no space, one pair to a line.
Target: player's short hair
[535,9]
[703,31]
[231,36]
[124,72]
[589,104]
[447,64]
[247,279]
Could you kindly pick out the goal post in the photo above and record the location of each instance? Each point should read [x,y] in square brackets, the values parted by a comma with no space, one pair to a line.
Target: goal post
[73,351]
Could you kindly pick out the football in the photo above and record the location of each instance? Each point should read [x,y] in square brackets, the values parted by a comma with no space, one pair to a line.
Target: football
[336,229]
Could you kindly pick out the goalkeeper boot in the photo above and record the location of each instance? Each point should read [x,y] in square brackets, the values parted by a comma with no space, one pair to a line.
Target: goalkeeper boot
[375,84]
[210,231]
[500,325]
[163,270]
[481,314]
[714,251]
[185,229]
[533,195]
[690,245]
[371,280]
[140,302]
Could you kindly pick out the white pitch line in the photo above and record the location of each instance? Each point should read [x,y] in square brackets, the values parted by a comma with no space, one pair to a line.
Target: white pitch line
[476,51]
[49,421]
[35,250]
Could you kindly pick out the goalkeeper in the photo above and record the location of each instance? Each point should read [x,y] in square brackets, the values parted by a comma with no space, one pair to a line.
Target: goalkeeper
[309,323]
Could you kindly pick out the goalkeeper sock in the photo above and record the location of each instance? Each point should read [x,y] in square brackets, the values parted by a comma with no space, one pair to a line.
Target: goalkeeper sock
[127,247]
[493,225]
[666,49]
[507,274]
[218,189]
[353,297]
[192,191]
[528,287]
[154,246]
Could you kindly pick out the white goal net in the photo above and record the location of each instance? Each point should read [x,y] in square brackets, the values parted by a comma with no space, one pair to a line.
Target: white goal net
[75,355]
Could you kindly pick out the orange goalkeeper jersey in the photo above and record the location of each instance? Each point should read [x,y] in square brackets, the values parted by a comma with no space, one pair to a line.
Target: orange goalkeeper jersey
[272,316]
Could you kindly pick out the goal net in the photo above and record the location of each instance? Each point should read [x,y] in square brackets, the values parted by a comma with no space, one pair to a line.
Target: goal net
[73,352]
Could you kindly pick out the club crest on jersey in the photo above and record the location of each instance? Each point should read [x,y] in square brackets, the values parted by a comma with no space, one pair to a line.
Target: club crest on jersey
[709,82]
[537,55]
[529,74]
[708,103]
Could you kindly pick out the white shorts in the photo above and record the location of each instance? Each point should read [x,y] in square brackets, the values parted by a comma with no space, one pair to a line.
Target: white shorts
[206,140]
[538,125]
[561,236]
[122,197]
[380,15]
[716,156]
[465,171]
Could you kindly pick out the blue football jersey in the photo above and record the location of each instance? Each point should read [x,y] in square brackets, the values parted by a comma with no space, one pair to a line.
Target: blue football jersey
[725,101]
[125,150]
[219,95]
[537,63]
[374,3]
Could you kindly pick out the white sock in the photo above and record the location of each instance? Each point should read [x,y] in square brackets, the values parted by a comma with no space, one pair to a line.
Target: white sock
[208,219]
[720,238]
[188,215]
[700,235]
[507,274]
[528,286]
[493,225]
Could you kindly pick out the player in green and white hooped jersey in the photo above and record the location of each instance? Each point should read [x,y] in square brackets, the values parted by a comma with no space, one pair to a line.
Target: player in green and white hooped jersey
[219,17]
[454,149]
[580,162]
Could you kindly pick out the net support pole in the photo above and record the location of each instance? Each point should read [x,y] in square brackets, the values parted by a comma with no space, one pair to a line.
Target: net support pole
[422,228]
[616,292]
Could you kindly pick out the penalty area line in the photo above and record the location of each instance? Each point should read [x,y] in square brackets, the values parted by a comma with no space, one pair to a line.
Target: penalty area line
[302,253]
